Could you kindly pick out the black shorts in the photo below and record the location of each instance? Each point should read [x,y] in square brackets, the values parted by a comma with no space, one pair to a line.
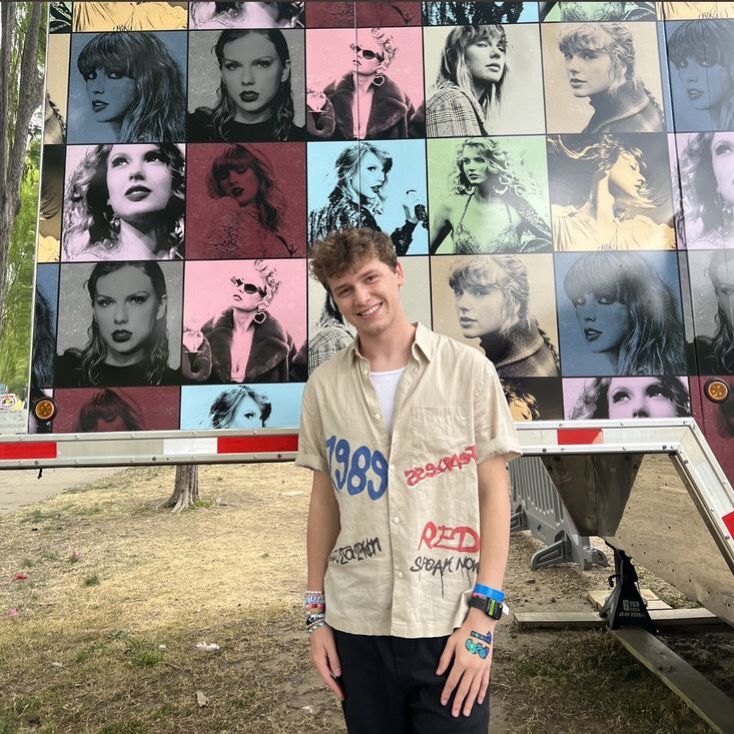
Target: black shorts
[391,687]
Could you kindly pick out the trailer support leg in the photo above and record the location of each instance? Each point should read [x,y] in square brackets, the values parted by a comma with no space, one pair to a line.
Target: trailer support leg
[625,607]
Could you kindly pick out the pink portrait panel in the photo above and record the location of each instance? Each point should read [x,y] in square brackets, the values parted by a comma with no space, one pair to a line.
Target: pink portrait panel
[208,292]
[329,57]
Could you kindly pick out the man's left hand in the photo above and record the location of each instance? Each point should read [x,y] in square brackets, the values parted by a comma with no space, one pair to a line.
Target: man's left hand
[469,675]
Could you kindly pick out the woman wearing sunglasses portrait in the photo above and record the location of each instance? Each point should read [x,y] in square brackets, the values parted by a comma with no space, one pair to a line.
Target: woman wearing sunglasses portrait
[365,103]
[244,343]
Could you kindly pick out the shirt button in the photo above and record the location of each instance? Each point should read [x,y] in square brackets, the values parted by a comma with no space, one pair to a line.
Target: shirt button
[377,415]
[400,574]
[396,520]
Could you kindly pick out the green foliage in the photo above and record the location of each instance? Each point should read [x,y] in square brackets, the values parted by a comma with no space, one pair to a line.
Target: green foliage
[15,318]
[18,264]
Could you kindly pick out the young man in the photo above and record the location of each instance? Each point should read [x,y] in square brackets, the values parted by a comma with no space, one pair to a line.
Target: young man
[408,435]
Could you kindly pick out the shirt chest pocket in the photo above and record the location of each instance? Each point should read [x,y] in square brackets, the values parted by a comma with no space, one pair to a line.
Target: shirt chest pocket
[437,433]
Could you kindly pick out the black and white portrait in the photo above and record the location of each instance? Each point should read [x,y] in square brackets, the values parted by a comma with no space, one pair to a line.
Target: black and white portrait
[476,12]
[119,324]
[127,87]
[602,77]
[488,195]
[706,163]
[124,202]
[582,12]
[483,80]
[246,85]
[611,192]
[380,186]
[619,313]
[534,398]
[364,84]
[218,16]
[500,304]
[712,285]
[701,63]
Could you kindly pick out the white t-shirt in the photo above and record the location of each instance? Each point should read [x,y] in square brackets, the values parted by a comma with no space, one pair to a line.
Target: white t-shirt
[386,385]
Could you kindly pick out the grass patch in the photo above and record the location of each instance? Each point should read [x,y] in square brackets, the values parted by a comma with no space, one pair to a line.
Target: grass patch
[125,727]
[92,580]
[234,576]
[38,517]
[27,563]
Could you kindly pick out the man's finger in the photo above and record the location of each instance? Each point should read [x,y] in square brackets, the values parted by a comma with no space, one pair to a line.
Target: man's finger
[475,688]
[445,658]
[460,695]
[483,689]
[451,683]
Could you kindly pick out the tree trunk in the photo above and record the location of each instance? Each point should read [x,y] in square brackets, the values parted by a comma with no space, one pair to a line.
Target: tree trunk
[186,488]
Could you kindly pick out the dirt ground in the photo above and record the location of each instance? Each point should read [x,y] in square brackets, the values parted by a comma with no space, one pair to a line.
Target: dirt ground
[101,636]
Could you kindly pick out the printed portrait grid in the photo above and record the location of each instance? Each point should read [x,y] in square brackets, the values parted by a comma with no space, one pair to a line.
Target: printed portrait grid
[537,235]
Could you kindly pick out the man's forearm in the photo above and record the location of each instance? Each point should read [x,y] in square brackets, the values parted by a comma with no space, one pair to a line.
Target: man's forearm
[322,530]
[494,521]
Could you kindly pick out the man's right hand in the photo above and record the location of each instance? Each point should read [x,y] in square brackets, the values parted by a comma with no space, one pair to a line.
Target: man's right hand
[325,659]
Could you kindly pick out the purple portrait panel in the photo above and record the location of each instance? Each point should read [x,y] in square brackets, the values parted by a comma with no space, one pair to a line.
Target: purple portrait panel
[621,398]
[716,420]
[96,410]
[246,200]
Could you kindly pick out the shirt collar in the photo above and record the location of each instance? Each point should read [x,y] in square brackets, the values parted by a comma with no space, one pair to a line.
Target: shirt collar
[424,343]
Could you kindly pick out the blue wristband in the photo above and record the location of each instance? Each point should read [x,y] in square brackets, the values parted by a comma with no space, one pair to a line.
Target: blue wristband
[489,592]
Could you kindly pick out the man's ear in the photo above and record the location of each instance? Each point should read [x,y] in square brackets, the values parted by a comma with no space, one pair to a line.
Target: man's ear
[400,274]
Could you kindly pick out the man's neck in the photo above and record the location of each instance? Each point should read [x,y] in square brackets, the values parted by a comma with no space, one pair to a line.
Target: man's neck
[389,350]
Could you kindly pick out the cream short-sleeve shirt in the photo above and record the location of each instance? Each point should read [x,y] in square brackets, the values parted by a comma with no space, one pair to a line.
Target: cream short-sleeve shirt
[406,557]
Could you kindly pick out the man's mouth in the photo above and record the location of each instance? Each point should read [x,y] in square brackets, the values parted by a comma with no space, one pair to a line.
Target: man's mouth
[137,193]
[98,106]
[591,334]
[249,96]
[371,311]
[121,335]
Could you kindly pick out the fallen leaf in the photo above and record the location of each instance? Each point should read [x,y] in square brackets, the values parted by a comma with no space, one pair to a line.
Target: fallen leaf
[201,700]
[307,709]
[207,646]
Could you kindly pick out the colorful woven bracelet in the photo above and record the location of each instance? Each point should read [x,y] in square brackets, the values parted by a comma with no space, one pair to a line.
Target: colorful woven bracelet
[488,592]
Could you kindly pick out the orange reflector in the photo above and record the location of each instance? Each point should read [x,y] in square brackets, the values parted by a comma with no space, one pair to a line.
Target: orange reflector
[716,390]
[44,410]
